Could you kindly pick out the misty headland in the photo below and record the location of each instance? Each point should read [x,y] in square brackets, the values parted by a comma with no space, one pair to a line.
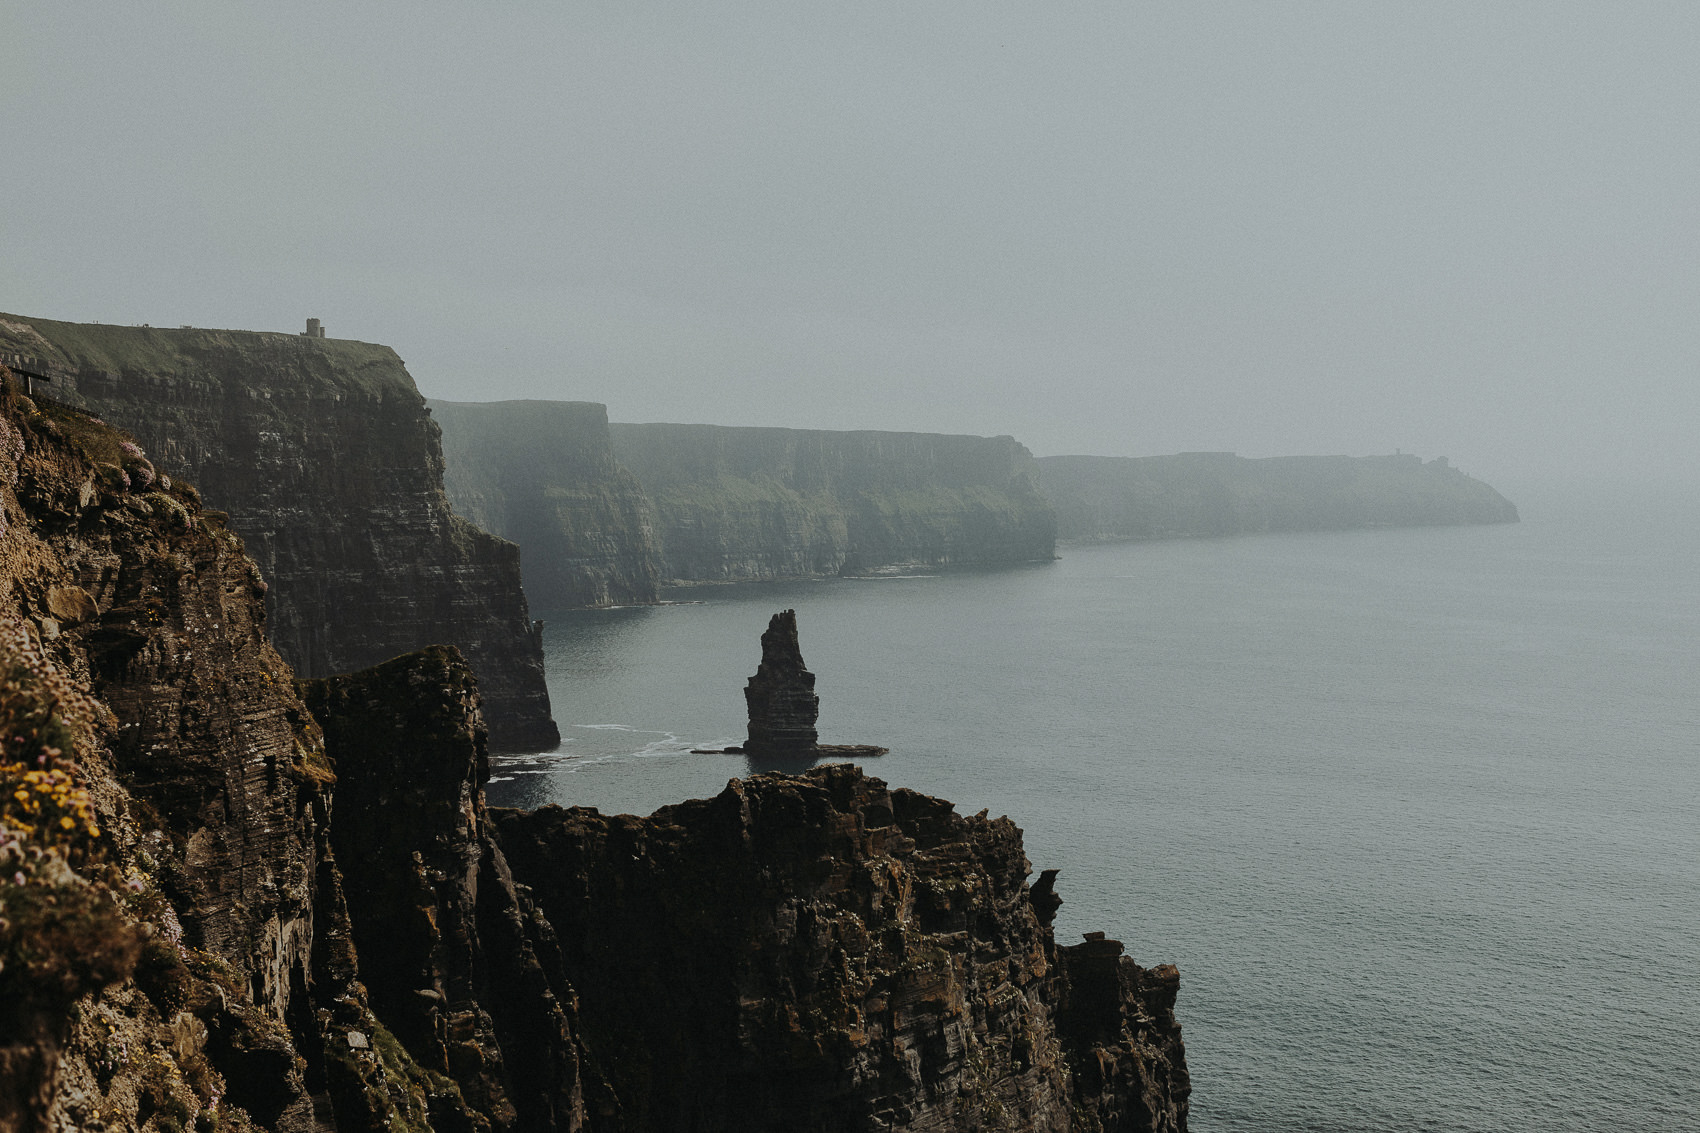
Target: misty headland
[715,312]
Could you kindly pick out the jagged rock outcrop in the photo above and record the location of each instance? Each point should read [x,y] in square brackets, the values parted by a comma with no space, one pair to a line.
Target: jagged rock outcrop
[751,503]
[327,461]
[781,696]
[1103,498]
[820,952]
[462,968]
[1118,1021]
[543,474]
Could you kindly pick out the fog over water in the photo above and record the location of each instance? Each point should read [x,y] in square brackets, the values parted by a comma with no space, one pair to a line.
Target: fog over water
[1415,810]
[1456,229]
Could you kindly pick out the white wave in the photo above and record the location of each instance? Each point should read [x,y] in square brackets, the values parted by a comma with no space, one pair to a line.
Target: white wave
[887,577]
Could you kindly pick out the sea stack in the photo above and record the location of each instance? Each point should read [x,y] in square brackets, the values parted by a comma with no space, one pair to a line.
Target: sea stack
[781,696]
[784,707]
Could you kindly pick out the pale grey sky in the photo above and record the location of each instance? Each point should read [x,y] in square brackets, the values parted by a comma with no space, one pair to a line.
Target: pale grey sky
[1463,229]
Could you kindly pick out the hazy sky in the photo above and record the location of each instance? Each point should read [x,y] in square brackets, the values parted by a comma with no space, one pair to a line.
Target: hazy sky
[1463,229]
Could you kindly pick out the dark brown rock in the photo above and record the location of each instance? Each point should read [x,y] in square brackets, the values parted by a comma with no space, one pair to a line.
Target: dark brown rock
[1118,1019]
[458,963]
[206,790]
[819,952]
[781,696]
[213,796]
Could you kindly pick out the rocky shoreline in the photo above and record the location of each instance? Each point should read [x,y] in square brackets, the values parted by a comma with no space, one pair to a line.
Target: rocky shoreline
[236,900]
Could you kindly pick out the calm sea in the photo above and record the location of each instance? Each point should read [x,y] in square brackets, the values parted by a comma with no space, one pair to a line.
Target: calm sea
[1416,812]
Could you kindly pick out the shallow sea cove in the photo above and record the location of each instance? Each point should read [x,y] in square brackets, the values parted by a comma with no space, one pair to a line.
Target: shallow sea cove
[1417,812]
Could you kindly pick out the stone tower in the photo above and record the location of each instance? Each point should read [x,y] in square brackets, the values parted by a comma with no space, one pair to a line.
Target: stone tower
[781,696]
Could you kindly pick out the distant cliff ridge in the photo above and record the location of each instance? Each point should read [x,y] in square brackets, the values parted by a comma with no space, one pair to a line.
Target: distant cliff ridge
[324,455]
[1101,498]
[543,474]
[756,503]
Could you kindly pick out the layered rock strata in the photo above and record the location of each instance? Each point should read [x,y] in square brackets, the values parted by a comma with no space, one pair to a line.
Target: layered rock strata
[543,474]
[169,955]
[460,965]
[181,954]
[324,455]
[751,503]
[1102,498]
[821,952]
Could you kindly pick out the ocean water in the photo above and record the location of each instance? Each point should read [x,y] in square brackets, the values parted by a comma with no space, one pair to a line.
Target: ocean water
[1416,812]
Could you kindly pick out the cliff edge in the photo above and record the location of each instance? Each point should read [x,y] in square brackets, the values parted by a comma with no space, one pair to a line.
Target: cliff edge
[543,474]
[324,455]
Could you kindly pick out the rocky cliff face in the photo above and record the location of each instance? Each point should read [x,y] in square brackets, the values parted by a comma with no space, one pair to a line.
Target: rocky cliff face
[1208,493]
[819,952]
[230,901]
[748,503]
[166,836]
[324,455]
[543,474]
[461,967]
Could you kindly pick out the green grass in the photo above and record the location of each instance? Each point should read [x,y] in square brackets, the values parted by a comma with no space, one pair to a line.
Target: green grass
[252,357]
[96,441]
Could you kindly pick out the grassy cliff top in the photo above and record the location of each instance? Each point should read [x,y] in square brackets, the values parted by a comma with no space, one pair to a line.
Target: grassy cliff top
[251,357]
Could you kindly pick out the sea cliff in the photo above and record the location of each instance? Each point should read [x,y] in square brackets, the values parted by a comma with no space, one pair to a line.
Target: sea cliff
[326,459]
[757,503]
[822,952]
[1100,498]
[543,474]
[232,900]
